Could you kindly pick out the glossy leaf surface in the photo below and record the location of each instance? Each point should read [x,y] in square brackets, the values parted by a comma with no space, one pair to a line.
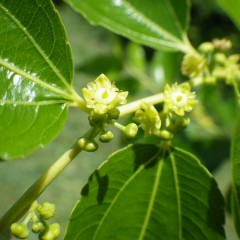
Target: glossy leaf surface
[158,24]
[35,76]
[143,192]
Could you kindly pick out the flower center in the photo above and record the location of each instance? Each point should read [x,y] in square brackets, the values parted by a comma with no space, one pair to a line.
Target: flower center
[179,98]
[104,95]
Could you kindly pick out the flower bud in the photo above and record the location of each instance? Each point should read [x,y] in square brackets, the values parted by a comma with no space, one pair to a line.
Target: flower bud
[91,146]
[87,144]
[113,113]
[220,58]
[96,118]
[222,44]
[106,137]
[20,230]
[51,233]
[47,210]
[37,227]
[165,135]
[131,130]
[206,47]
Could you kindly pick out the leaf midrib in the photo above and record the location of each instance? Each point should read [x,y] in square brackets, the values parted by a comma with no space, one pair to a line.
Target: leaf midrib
[176,181]
[33,78]
[120,191]
[151,200]
[152,25]
[175,44]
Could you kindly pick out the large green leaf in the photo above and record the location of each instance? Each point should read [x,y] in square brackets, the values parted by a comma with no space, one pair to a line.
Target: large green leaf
[232,8]
[158,24]
[235,162]
[35,76]
[143,192]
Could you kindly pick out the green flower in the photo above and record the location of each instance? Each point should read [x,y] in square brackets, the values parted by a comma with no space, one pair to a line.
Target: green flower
[192,65]
[102,95]
[228,69]
[179,98]
[148,118]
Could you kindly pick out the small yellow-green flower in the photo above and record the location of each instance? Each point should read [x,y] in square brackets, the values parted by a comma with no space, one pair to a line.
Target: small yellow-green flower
[148,118]
[179,98]
[228,69]
[192,65]
[102,95]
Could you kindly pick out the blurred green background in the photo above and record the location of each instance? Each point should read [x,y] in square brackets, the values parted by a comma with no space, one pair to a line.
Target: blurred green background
[141,71]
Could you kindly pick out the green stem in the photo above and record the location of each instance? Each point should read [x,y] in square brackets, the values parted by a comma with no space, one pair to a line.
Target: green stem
[134,106]
[24,202]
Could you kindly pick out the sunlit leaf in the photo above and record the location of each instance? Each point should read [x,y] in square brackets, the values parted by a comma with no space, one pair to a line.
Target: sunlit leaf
[35,76]
[158,24]
[146,192]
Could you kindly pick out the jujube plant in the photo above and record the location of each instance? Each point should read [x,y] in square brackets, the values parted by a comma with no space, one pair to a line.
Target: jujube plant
[145,190]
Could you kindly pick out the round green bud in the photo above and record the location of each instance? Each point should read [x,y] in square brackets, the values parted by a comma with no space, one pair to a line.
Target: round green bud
[206,47]
[91,146]
[20,230]
[55,229]
[113,113]
[166,135]
[220,58]
[106,137]
[46,210]
[38,227]
[131,130]
[82,142]
[87,144]
[96,119]
[51,233]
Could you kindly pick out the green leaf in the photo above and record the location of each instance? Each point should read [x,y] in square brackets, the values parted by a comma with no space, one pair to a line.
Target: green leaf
[232,8]
[143,192]
[235,211]
[158,24]
[235,164]
[35,76]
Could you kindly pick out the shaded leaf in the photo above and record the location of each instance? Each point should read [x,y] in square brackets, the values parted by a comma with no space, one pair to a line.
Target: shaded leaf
[143,192]
[235,163]
[232,8]
[158,24]
[235,211]
[35,76]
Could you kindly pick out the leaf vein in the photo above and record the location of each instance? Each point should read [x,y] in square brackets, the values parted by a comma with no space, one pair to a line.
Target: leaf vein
[120,191]
[37,47]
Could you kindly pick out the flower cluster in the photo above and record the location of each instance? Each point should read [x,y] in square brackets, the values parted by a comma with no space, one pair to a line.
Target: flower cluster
[102,98]
[38,214]
[102,95]
[178,100]
[212,64]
